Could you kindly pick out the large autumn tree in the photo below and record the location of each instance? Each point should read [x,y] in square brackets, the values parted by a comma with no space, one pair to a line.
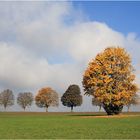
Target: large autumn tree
[72,98]
[6,98]
[46,97]
[110,79]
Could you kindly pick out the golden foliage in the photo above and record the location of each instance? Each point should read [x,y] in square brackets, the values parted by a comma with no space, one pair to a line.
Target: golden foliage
[46,97]
[109,77]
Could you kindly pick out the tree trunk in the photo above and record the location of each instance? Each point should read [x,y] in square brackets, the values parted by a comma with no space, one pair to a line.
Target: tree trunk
[128,108]
[46,108]
[100,108]
[71,108]
[24,108]
[112,109]
[4,108]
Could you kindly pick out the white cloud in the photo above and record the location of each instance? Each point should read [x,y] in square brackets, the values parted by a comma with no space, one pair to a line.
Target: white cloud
[32,33]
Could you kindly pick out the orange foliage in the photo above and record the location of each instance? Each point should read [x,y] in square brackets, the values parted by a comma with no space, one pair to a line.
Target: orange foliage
[46,97]
[109,77]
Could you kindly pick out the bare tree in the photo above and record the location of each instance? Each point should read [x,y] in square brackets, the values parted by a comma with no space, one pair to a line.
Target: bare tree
[25,99]
[6,98]
[134,101]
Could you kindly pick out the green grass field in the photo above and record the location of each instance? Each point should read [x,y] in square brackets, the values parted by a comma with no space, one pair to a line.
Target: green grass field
[69,125]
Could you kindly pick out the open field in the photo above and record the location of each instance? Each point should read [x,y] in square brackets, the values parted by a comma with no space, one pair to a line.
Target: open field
[24,125]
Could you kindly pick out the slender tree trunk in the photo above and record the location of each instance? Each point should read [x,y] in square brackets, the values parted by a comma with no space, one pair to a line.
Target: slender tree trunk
[4,105]
[24,108]
[46,108]
[128,108]
[71,108]
[100,108]
[4,108]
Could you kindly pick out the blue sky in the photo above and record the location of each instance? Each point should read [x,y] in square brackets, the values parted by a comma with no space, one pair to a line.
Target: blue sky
[51,43]
[123,16]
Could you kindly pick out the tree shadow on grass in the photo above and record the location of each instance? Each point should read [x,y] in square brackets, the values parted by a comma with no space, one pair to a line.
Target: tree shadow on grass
[88,115]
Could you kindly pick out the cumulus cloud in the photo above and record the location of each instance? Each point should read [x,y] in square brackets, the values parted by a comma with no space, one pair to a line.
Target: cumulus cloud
[47,44]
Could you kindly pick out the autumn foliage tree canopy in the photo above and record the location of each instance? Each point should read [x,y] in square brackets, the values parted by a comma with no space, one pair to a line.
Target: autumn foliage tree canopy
[72,98]
[109,78]
[46,97]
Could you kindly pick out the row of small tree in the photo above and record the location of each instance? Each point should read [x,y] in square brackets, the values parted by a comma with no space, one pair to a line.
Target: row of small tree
[45,98]
[24,99]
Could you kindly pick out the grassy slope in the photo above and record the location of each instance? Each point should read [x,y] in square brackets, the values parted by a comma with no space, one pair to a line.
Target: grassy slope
[62,125]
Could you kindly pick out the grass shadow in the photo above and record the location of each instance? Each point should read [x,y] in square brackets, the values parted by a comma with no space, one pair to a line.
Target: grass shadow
[90,114]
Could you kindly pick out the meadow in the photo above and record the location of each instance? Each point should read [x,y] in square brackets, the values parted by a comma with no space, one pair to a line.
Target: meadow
[33,125]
